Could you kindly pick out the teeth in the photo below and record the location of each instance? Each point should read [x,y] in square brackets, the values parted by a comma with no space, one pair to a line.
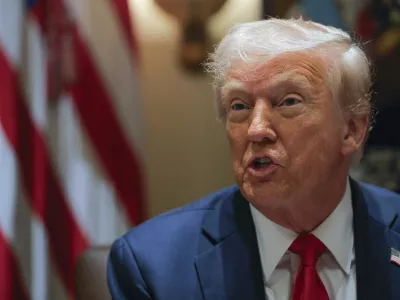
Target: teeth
[263,160]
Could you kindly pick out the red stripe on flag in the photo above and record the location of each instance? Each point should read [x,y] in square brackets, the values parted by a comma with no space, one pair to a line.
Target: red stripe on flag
[11,283]
[94,105]
[122,9]
[96,111]
[66,241]
[39,11]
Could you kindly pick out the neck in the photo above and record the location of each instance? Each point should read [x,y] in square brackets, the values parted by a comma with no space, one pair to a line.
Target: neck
[312,209]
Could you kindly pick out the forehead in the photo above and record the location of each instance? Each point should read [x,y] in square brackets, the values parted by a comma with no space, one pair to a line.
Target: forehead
[305,70]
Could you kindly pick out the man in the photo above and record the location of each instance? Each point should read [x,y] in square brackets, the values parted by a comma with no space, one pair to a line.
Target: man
[295,100]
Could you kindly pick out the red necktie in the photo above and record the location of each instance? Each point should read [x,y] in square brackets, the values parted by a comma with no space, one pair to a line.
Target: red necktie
[308,284]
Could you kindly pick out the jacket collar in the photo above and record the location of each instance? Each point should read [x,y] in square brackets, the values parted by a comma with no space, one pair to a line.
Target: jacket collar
[228,264]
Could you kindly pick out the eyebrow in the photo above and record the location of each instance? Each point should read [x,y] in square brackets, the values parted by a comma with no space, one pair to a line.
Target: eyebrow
[291,78]
[232,87]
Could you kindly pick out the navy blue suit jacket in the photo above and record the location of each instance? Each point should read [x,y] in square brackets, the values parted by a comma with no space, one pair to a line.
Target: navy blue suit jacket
[208,250]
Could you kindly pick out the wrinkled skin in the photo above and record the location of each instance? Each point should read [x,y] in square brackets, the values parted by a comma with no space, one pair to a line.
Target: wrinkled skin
[284,109]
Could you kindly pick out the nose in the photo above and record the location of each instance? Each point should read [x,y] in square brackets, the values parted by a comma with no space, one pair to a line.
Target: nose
[260,129]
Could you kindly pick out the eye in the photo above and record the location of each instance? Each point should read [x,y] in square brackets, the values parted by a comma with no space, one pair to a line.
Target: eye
[290,101]
[238,106]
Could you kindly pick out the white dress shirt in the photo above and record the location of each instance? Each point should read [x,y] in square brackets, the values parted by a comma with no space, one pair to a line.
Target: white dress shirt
[336,267]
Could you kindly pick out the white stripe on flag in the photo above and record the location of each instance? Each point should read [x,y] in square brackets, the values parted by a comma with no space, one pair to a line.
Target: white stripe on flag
[25,232]
[11,17]
[36,75]
[91,196]
[9,187]
[110,50]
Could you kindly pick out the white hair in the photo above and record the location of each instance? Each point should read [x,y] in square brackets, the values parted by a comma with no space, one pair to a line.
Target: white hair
[348,75]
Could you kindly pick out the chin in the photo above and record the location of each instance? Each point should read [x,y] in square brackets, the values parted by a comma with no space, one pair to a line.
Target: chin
[262,194]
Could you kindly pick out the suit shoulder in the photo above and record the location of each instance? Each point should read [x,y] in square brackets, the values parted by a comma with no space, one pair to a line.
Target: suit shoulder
[381,193]
[380,199]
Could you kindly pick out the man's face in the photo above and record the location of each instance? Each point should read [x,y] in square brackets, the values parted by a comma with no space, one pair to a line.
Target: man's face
[285,131]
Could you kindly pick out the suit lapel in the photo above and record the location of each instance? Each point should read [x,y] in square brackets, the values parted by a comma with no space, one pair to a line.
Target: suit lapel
[373,238]
[228,264]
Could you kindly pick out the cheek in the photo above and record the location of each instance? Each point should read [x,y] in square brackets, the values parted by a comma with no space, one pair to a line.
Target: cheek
[314,144]
[237,140]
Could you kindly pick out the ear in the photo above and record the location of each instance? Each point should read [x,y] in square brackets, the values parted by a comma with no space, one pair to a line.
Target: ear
[355,132]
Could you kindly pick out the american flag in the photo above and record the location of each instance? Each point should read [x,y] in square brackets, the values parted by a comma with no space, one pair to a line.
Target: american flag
[395,256]
[71,149]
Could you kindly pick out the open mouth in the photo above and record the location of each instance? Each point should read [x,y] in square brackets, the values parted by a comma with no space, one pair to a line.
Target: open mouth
[262,162]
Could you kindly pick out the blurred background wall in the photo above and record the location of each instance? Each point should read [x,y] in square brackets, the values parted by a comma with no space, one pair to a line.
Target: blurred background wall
[186,150]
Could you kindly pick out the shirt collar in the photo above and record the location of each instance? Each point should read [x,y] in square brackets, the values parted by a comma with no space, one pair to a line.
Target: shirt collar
[336,232]
[273,241]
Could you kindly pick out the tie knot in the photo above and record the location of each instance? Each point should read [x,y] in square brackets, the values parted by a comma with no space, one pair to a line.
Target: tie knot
[309,248]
